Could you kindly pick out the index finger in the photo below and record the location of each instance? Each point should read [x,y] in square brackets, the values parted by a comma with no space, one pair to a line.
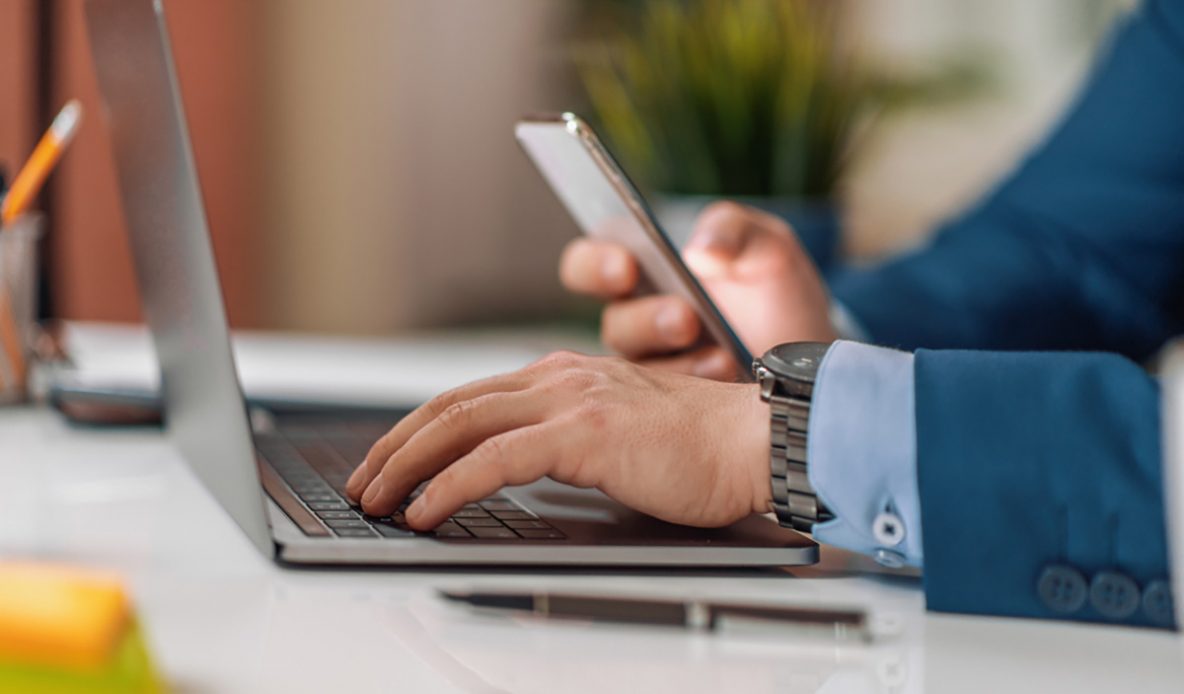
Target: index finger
[395,439]
[599,269]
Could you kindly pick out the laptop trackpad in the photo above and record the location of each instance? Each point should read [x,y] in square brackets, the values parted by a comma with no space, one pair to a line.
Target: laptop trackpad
[589,516]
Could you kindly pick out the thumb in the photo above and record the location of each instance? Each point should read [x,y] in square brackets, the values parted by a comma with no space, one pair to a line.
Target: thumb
[723,231]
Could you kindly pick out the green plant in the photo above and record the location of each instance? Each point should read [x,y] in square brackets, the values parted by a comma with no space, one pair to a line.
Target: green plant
[728,97]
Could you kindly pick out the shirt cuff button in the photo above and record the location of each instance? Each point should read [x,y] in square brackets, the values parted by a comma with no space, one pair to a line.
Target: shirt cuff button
[888,529]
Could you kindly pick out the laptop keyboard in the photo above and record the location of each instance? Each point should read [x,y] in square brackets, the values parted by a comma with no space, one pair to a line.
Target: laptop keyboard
[316,460]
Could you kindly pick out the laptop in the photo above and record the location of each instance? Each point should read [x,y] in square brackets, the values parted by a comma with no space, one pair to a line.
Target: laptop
[280,476]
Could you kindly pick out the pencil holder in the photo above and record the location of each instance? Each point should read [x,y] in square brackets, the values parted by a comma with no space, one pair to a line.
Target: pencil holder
[18,304]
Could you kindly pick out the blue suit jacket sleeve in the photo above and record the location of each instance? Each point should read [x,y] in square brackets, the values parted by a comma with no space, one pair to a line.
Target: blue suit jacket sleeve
[1083,246]
[1029,460]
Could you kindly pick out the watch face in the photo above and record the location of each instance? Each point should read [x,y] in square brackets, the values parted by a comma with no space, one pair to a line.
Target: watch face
[796,360]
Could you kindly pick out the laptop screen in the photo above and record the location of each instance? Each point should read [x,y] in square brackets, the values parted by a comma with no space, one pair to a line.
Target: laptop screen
[172,255]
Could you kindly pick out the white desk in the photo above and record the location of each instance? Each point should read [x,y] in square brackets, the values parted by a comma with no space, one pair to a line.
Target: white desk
[221,618]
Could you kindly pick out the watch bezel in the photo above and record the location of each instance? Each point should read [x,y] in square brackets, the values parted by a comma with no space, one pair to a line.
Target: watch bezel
[790,369]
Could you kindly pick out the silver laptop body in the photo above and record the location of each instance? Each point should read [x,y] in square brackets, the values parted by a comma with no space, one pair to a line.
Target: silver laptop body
[545,523]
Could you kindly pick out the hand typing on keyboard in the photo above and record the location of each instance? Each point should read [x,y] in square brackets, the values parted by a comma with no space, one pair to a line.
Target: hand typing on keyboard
[683,449]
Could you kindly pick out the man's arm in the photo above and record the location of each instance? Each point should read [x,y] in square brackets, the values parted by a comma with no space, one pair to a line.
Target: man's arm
[1082,247]
[1036,470]
[1030,483]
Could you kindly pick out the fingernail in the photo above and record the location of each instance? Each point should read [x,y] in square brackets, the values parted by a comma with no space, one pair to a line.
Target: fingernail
[416,509]
[614,269]
[372,491]
[355,479]
[717,241]
[671,322]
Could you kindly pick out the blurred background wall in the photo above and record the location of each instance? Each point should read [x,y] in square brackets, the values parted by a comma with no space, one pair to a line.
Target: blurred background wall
[395,192]
[927,162]
[360,172]
[19,53]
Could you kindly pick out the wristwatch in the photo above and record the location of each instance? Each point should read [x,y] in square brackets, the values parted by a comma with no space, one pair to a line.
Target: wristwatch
[786,375]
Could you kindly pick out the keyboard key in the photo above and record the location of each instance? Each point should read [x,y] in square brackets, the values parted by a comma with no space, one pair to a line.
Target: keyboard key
[502,504]
[391,530]
[527,524]
[355,532]
[338,515]
[396,518]
[500,533]
[470,513]
[514,515]
[478,522]
[329,506]
[345,523]
[319,496]
[451,530]
[548,534]
[391,526]
[310,488]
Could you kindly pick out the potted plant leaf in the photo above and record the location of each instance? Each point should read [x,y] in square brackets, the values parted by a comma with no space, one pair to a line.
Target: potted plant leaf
[753,100]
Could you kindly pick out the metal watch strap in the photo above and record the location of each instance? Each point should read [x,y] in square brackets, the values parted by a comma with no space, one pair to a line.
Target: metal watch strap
[793,495]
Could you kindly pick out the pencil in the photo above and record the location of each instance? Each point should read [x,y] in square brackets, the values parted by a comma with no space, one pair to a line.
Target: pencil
[32,176]
[25,188]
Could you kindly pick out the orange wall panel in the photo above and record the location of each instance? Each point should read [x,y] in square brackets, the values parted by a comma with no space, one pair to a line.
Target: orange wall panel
[17,86]
[91,267]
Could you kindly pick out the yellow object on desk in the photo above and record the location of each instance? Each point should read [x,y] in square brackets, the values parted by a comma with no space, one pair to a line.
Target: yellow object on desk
[45,156]
[69,630]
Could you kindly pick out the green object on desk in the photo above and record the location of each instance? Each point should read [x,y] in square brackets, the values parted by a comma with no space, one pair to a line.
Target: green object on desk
[129,671]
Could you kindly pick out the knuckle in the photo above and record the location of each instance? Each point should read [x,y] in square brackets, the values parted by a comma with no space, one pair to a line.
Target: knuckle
[491,452]
[577,379]
[560,360]
[496,456]
[724,212]
[458,414]
[436,406]
[594,414]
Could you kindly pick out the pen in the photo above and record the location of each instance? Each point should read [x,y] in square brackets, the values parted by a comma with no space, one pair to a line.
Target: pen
[28,182]
[697,615]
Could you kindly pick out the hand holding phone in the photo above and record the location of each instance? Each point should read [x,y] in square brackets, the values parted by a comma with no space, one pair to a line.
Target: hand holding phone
[606,205]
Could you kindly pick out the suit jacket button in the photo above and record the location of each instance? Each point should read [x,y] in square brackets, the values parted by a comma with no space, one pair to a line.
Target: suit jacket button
[1114,595]
[1062,588]
[1157,603]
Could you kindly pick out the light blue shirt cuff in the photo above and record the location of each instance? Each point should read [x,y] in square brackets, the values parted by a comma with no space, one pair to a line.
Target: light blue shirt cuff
[862,452]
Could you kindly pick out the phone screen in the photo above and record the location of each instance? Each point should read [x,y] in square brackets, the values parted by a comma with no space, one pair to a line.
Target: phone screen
[605,204]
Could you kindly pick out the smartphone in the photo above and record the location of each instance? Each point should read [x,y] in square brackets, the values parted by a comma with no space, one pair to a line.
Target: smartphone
[606,205]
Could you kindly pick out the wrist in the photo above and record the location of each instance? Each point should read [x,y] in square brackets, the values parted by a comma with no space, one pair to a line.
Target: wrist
[753,445]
